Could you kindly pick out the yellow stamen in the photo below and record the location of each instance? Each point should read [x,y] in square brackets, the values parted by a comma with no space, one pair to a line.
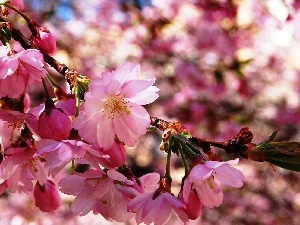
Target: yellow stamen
[116,105]
[73,165]
[14,125]
[211,183]
[32,162]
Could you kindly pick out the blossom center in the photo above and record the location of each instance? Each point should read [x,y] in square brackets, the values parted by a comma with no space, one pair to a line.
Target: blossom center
[15,125]
[211,183]
[33,163]
[116,105]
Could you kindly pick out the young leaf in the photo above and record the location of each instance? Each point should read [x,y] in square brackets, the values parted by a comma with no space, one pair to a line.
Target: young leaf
[270,139]
[283,154]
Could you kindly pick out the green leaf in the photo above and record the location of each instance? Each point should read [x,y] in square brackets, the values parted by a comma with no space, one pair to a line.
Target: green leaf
[181,137]
[183,140]
[270,139]
[283,154]
[151,128]
[193,147]
[5,35]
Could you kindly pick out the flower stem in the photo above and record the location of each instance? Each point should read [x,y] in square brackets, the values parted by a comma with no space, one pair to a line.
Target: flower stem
[184,161]
[52,82]
[46,89]
[77,97]
[168,165]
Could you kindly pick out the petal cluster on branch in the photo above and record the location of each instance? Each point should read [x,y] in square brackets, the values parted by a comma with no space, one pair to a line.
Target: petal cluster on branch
[76,141]
[113,107]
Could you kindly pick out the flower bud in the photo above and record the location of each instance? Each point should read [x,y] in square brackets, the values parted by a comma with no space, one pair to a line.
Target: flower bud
[44,40]
[54,123]
[47,198]
[193,205]
[117,156]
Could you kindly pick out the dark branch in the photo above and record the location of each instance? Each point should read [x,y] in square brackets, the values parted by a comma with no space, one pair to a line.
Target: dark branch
[27,44]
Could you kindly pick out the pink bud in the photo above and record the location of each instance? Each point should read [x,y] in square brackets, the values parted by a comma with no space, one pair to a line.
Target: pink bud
[54,123]
[117,156]
[193,205]
[44,40]
[47,198]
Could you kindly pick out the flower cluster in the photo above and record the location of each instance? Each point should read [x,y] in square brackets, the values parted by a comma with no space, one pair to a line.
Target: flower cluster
[93,124]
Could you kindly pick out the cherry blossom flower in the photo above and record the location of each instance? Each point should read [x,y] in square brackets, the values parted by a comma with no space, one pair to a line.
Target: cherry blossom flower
[154,207]
[19,168]
[8,133]
[99,192]
[59,153]
[11,124]
[113,107]
[19,70]
[46,196]
[202,180]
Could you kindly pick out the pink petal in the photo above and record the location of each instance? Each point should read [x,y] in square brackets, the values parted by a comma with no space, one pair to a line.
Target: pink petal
[193,207]
[32,57]
[126,71]
[3,51]
[47,145]
[67,105]
[124,133]
[129,127]
[87,128]
[175,202]
[97,89]
[199,173]
[187,185]
[102,189]
[145,97]
[138,120]
[105,132]
[138,201]
[13,86]
[40,174]
[230,176]
[115,175]
[133,87]
[79,121]
[8,67]
[113,88]
[81,205]
[215,164]
[150,181]
[146,208]
[68,187]
[159,207]
[208,196]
